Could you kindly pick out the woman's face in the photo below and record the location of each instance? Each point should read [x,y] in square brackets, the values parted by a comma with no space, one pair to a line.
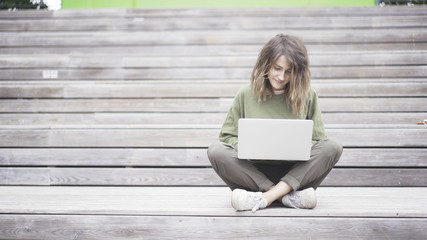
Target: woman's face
[280,73]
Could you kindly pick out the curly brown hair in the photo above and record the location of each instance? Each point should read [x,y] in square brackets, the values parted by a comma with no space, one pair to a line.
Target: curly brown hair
[297,89]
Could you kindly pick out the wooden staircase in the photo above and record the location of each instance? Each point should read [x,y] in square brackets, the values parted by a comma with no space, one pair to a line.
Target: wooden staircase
[105,117]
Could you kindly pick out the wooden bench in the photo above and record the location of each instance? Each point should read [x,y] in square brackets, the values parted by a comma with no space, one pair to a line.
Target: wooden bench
[105,117]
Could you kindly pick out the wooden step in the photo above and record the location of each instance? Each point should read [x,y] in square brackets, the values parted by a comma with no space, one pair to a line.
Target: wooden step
[155,201]
[126,120]
[138,23]
[192,105]
[211,37]
[186,157]
[110,176]
[205,73]
[147,212]
[218,12]
[191,137]
[54,61]
[212,50]
[201,89]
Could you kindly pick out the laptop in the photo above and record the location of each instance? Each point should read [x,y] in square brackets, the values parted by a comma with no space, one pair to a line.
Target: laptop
[274,139]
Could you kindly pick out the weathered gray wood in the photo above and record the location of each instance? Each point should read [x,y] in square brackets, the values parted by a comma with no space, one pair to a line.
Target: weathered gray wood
[218,12]
[177,227]
[204,89]
[369,71]
[116,105]
[103,157]
[204,22]
[167,127]
[211,50]
[384,177]
[125,119]
[199,105]
[376,177]
[91,61]
[214,37]
[340,202]
[207,73]
[397,118]
[146,137]
[35,176]
[150,213]
[129,118]
[163,157]
[384,157]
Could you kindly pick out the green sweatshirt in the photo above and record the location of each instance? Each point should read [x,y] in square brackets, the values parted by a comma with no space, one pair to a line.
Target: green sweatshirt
[246,105]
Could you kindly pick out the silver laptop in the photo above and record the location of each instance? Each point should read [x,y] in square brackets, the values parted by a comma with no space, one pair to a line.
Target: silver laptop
[274,139]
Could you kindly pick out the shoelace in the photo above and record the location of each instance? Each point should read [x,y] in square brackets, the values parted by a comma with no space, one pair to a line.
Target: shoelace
[293,198]
[256,207]
[258,201]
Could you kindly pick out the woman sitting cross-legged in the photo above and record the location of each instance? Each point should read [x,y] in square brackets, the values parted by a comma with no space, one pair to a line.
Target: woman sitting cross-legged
[279,89]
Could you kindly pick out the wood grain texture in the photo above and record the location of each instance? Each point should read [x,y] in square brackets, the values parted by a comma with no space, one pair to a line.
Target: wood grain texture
[350,119]
[133,61]
[218,12]
[158,137]
[212,50]
[211,37]
[163,157]
[107,114]
[183,227]
[208,73]
[196,105]
[345,202]
[202,89]
[204,22]
[90,176]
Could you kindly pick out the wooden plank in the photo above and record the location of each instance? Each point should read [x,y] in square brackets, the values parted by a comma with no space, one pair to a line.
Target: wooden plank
[213,23]
[217,12]
[164,227]
[187,157]
[369,138]
[116,105]
[376,177]
[402,203]
[202,89]
[204,50]
[103,157]
[51,137]
[214,37]
[396,118]
[351,177]
[126,119]
[167,127]
[114,177]
[198,105]
[376,105]
[36,176]
[121,118]
[99,61]
[383,157]
[205,73]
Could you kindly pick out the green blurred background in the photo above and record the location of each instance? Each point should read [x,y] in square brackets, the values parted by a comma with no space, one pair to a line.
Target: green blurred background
[73,4]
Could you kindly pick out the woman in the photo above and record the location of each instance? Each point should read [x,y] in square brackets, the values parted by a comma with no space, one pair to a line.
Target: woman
[280,88]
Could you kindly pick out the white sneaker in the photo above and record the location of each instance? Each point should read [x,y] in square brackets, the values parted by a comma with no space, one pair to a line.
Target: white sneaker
[242,200]
[305,199]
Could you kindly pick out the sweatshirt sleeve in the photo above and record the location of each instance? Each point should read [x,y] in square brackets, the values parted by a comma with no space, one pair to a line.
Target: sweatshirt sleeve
[229,129]
[314,113]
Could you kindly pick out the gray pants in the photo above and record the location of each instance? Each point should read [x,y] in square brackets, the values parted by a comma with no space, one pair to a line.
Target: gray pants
[261,175]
